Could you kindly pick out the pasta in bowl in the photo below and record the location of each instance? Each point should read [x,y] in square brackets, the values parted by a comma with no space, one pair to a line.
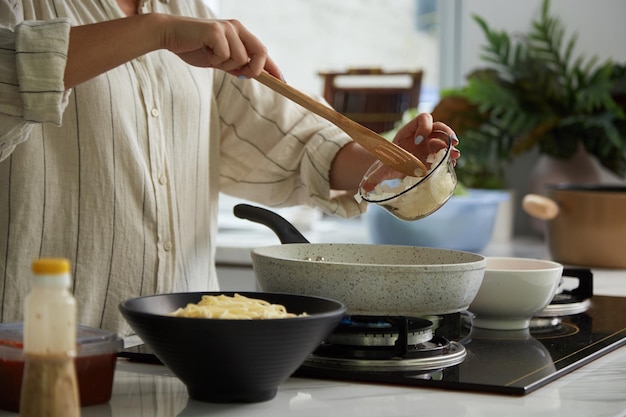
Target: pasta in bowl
[241,358]
[234,307]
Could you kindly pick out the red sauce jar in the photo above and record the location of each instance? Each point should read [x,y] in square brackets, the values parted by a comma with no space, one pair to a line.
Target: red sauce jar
[96,357]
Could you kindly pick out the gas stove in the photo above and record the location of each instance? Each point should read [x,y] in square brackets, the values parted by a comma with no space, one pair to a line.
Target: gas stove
[387,344]
[446,352]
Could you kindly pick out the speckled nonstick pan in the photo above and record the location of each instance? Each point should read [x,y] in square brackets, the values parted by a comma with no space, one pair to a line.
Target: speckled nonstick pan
[368,279]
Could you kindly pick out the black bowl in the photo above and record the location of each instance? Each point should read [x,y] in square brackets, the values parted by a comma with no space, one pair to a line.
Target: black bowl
[223,360]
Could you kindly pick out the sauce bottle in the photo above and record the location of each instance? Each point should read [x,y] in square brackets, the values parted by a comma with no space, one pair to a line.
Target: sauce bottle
[49,384]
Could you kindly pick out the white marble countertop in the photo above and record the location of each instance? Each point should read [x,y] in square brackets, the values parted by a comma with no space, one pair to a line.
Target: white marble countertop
[596,389]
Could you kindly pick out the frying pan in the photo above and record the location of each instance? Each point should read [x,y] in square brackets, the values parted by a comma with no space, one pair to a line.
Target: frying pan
[368,279]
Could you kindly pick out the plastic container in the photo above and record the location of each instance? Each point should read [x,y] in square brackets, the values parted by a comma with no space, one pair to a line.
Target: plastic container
[96,355]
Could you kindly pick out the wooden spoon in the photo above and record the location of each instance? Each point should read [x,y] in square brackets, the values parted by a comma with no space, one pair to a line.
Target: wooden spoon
[388,152]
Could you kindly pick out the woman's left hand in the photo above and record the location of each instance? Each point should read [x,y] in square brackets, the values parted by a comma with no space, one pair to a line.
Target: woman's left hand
[416,137]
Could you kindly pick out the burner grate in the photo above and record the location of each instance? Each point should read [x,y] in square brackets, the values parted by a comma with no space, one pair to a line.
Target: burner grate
[384,343]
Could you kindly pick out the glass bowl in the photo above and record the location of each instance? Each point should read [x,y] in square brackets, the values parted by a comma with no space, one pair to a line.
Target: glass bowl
[412,198]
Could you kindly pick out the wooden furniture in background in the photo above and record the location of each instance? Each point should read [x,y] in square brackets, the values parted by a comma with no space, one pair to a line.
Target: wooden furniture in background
[370,97]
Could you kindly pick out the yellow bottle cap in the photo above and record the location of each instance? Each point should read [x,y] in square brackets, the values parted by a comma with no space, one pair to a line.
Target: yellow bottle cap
[51,266]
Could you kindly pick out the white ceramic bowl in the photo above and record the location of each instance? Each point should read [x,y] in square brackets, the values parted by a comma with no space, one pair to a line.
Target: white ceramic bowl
[513,291]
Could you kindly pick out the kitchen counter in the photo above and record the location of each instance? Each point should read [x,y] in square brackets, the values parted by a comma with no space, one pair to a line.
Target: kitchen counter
[596,389]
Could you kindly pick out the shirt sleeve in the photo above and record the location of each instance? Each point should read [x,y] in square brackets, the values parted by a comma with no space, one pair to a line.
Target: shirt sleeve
[32,66]
[276,153]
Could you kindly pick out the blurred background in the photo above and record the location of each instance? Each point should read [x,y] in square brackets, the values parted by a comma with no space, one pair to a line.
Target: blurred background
[438,37]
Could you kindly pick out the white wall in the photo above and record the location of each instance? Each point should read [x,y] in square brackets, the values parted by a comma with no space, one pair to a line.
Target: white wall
[307,36]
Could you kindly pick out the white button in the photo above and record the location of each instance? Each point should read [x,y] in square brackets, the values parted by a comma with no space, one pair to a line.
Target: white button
[162,180]
[167,246]
[141,58]
[155,112]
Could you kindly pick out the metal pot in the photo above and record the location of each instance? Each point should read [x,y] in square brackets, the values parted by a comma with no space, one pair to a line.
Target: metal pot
[368,279]
[585,225]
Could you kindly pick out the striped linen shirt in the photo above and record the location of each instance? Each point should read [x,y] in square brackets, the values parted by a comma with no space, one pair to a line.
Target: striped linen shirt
[122,173]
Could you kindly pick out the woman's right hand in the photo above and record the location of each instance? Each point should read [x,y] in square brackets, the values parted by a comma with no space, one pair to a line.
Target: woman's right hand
[222,44]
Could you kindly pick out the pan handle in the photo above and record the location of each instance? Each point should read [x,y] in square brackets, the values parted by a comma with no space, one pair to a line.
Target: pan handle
[540,207]
[286,232]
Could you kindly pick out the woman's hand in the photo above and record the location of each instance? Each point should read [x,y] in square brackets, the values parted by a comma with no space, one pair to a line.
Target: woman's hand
[352,161]
[222,44]
[416,137]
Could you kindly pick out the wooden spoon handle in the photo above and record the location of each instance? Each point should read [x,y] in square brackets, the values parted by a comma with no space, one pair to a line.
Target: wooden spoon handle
[371,141]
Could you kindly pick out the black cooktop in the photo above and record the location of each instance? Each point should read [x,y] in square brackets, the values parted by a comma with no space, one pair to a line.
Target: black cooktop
[513,362]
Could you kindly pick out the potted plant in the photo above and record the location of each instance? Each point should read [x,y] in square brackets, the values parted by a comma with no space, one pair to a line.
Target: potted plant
[536,94]
[483,162]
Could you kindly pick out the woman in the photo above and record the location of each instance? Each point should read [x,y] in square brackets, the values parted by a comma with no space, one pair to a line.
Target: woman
[120,122]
